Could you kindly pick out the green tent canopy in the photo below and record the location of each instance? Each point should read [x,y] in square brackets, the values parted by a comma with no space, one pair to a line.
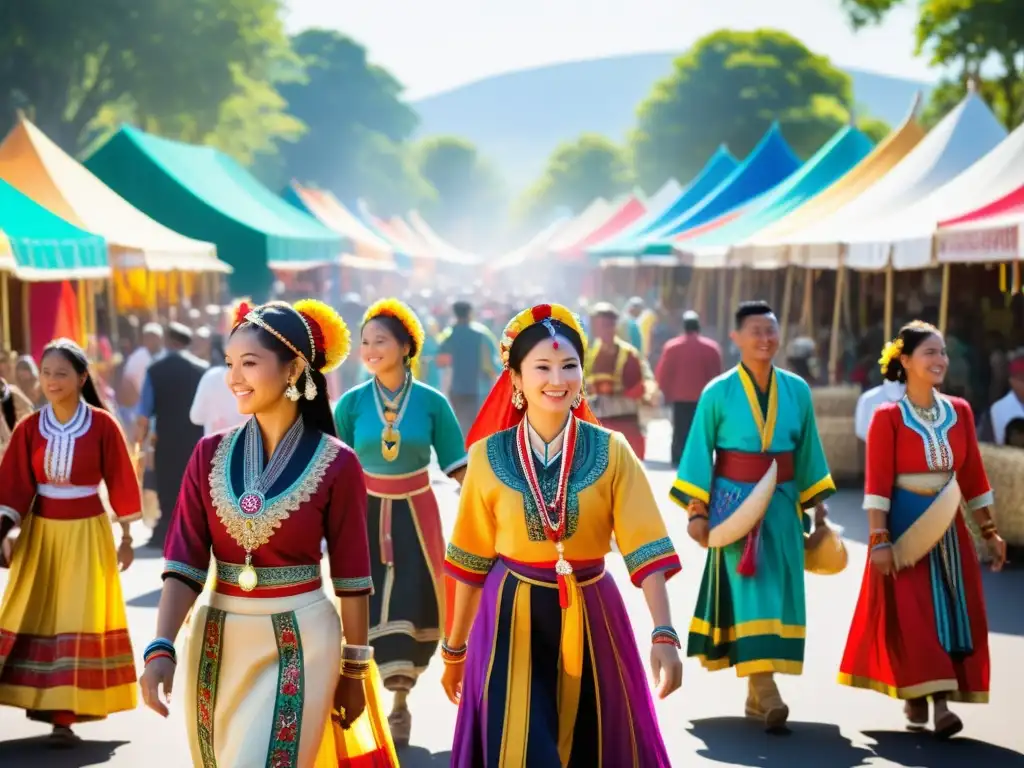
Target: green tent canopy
[202,193]
[38,245]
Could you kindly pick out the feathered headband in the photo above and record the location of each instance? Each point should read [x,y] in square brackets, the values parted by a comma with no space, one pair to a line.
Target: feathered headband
[326,332]
[401,312]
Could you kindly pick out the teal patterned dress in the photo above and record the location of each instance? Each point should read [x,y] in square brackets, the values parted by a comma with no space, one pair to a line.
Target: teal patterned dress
[406,540]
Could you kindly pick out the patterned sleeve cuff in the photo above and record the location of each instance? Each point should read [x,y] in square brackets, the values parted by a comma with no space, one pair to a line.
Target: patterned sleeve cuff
[871,501]
[684,492]
[818,492]
[651,558]
[987,499]
[11,514]
[188,573]
[467,567]
[352,587]
[455,466]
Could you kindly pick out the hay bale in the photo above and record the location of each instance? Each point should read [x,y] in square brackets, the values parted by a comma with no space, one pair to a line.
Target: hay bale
[1005,468]
[835,401]
[842,448]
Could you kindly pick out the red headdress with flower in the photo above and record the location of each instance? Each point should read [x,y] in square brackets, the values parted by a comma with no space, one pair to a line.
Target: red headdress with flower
[498,413]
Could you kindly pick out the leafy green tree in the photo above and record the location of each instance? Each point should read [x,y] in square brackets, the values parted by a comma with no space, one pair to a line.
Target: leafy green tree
[470,199]
[577,172]
[962,36]
[729,88]
[192,69]
[355,115]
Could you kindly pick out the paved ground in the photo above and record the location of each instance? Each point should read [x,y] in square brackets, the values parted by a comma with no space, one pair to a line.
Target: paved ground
[833,727]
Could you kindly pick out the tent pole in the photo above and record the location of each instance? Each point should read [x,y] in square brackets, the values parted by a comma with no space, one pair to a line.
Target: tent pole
[944,299]
[888,300]
[83,313]
[5,318]
[720,308]
[833,349]
[787,301]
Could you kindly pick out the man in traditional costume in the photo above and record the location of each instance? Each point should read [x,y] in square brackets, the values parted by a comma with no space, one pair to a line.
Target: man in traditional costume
[617,378]
[752,466]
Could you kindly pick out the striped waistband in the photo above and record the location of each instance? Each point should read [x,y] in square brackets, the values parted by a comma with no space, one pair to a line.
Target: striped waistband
[397,486]
[64,492]
[584,570]
[274,581]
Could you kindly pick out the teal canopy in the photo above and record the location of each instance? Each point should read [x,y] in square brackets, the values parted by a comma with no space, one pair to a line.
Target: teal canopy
[202,193]
[42,245]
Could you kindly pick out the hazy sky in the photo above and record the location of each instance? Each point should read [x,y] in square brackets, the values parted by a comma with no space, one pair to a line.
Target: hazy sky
[434,45]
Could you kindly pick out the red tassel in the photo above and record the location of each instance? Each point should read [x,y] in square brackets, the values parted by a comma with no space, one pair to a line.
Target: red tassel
[563,592]
[748,562]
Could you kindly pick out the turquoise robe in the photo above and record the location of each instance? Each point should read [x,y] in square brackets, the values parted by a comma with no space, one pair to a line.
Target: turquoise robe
[754,623]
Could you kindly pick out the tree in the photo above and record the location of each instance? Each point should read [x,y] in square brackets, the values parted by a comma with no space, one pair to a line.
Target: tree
[729,88]
[189,68]
[354,111]
[971,38]
[577,172]
[469,200]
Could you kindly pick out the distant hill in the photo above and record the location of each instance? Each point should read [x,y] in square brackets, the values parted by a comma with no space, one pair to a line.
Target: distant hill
[518,118]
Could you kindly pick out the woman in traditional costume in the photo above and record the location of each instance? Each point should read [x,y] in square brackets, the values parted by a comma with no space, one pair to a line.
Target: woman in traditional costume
[14,406]
[920,630]
[393,421]
[550,673]
[65,656]
[265,668]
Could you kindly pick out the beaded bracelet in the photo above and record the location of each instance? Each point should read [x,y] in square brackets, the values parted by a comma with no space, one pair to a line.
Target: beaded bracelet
[147,660]
[159,645]
[666,635]
[881,545]
[989,530]
[451,655]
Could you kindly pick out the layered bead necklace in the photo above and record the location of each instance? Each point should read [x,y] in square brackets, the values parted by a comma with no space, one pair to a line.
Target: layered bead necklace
[553,513]
[257,481]
[391,410]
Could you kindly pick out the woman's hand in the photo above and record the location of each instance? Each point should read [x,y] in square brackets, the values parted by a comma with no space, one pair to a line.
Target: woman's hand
[125,554]
[883,561]
[349,700]
[666,668]
[820,514]
[997,550]
[158,673]
[698,528]
[6,552]
[451,681]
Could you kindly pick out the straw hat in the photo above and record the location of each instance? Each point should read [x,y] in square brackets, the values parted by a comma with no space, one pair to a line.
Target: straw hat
[829,557]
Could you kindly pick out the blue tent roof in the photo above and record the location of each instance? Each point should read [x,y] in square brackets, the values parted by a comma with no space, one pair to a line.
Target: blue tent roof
[842,152]
[718,167]
[769,164]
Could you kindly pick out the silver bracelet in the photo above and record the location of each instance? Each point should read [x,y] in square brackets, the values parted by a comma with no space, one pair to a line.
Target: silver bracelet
[357,653]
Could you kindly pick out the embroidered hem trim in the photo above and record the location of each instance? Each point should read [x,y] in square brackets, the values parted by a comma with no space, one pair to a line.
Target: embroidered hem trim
[986,499]
[287,728]
[206,684]
[349,586]
[456,465]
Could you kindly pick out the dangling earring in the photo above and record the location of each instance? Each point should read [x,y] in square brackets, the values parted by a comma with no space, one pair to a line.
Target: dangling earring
[578,400]
[292,392]
[310,388]
[518,401]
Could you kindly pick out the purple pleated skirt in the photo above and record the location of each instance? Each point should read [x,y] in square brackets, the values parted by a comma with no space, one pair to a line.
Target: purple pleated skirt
[615,722]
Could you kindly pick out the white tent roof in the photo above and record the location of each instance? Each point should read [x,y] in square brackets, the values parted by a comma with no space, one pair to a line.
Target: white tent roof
[663,198]
[962,138]
[445,251]
[582,225]
[909,232]
[535,247]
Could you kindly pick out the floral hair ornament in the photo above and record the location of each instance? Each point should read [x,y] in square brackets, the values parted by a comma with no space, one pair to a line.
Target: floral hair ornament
[498,412]
[331,334]
[241,308]
[401,312]
[890,352]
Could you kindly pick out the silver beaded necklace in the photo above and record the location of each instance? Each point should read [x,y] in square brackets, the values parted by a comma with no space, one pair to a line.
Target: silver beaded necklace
[257,480]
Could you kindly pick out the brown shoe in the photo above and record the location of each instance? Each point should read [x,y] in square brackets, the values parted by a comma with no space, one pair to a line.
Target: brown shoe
[770,705]
[400,721]
[947,724]
[916,711]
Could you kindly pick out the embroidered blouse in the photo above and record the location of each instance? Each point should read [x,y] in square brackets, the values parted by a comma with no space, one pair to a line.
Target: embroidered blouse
[426,421]
[608,494]
[54,470]
[901,442]
[320,495]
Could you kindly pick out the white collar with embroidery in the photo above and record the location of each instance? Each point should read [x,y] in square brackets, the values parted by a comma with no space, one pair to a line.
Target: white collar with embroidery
[547,451]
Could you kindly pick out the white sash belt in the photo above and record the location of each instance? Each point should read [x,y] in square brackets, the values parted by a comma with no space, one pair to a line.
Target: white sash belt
[64,492]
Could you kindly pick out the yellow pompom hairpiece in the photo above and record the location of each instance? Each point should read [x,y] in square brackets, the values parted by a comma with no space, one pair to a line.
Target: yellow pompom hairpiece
[890,352]
[336,339]
[403,314]
[534,315]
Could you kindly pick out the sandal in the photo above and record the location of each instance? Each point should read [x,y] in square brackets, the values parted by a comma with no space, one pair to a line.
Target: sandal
[400,722]
[916,712]
[947,725]
[62,737]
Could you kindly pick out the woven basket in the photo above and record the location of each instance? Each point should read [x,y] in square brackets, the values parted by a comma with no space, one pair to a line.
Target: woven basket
[1005,469]
[842,448]
[835,401]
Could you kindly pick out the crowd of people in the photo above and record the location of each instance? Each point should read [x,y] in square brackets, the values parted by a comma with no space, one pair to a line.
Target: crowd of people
[253,475]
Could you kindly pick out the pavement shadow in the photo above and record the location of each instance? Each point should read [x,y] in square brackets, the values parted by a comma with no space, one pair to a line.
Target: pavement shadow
[418,757]
[739,741]
[922,750]
[38,751]
[146,600]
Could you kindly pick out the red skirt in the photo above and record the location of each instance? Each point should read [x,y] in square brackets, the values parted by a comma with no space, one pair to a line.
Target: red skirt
[629,428]
[893,646]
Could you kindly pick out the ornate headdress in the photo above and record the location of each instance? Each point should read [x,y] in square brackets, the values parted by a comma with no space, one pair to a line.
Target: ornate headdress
[403,314]
[498,412]
[327,334]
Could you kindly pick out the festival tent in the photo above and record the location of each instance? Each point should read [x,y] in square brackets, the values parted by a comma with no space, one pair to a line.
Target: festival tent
[767,249]
[843,151]
[534,248]
[596,212]
[770,162]
[994,232]
[203,193]
[961,138]
[37,167]
[444,250]
[368,250]
[907,235]
[718,167]
[618,218]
